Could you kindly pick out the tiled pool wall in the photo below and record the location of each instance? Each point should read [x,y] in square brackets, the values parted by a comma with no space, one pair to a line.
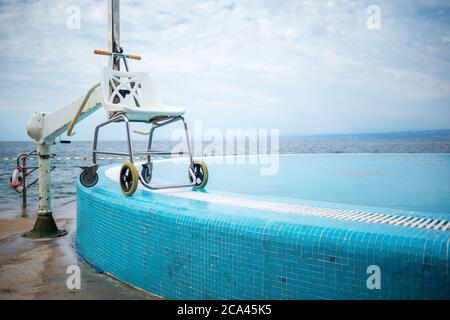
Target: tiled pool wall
[182,249]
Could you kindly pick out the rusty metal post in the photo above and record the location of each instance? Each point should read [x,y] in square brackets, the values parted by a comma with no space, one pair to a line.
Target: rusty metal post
[24,187]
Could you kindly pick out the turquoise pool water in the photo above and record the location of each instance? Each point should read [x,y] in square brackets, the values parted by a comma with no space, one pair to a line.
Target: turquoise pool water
[412,182]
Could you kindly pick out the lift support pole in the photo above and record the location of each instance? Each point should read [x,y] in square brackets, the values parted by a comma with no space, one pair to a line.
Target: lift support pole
[114,32]
[45,225]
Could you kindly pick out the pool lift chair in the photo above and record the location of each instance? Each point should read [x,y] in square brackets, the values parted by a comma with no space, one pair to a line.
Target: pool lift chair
[130,97]
[127,97]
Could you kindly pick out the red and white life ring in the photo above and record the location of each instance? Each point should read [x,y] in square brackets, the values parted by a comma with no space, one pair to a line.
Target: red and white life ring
[15,181]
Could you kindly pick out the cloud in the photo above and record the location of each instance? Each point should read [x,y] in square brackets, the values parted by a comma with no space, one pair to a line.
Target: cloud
[235,63]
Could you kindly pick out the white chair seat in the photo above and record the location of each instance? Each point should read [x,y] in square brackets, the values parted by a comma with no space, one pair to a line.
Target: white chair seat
[147,114]
[133,93]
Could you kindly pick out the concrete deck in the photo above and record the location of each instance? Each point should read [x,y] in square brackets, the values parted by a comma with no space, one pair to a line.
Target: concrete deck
[36,269]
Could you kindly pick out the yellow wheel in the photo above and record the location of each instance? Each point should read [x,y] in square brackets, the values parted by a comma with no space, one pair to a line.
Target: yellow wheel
[201,174]
[129,178]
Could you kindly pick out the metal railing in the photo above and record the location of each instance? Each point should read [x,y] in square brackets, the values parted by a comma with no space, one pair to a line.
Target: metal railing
[21,161]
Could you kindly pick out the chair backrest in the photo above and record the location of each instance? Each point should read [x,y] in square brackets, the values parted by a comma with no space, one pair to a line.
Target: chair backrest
[128,89]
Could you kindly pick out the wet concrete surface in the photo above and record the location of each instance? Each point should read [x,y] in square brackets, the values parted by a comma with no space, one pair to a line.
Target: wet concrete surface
[37,269]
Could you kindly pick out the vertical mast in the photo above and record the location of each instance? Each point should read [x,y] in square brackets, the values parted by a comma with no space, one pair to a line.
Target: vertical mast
[114,32]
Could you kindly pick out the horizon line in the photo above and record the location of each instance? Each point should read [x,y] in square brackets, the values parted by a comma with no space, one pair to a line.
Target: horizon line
[304,135]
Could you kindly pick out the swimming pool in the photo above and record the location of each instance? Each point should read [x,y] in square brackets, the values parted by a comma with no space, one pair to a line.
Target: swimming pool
[416,182]
[310,231]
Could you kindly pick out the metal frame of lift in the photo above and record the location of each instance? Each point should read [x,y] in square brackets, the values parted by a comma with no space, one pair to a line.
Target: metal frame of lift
[122,117]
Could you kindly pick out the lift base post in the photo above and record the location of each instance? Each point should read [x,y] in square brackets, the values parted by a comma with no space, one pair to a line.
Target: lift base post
[45,227]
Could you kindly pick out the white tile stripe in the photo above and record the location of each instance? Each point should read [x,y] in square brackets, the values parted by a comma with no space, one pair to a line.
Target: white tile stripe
[440,224]
[367,217]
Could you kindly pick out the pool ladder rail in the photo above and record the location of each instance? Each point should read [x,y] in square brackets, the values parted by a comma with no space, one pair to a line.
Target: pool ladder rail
[26,171]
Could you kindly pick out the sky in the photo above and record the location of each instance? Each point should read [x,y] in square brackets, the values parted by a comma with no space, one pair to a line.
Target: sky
[303,67]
